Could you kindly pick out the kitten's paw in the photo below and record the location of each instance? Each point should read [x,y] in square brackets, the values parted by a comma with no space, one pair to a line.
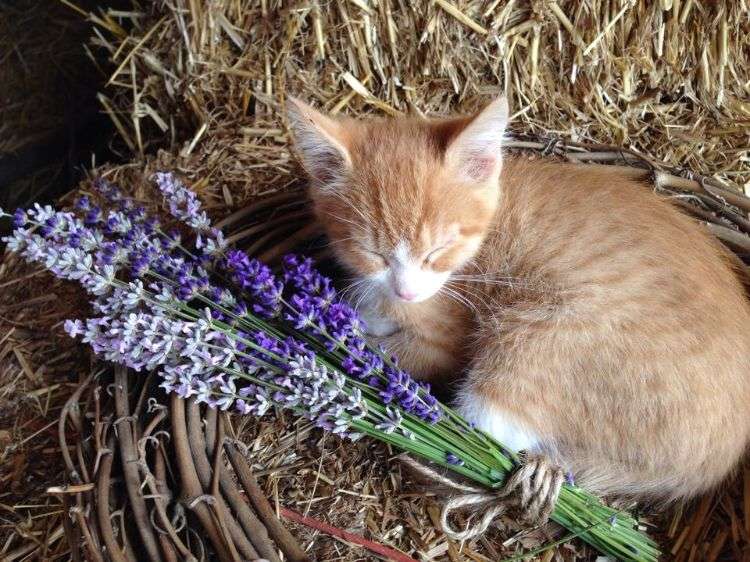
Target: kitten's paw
[502,425]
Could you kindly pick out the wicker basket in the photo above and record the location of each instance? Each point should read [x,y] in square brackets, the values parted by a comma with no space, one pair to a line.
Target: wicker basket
[158,478]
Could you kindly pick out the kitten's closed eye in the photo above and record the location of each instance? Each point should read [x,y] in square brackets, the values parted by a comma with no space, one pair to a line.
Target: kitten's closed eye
[435,254]
[383,260]
[429,257]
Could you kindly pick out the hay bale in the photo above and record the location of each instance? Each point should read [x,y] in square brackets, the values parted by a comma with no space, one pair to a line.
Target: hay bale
[668,79]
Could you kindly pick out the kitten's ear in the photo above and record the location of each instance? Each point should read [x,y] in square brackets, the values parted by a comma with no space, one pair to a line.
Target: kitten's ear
[475,153]
[320,141]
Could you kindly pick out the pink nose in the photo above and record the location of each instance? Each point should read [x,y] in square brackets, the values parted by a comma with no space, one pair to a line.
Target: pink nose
[406,295]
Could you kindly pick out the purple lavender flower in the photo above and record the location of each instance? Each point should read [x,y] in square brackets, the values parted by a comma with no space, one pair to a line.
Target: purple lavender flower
[304,315]
[300,274]
[405,391]
[363,365]
[450,458]
[257,279]
[19,218]
[94,216]
[316,311]
[136,327]
[83,204]
[314,305]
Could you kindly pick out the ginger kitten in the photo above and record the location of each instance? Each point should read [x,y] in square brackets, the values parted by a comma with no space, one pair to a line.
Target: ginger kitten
[588,318]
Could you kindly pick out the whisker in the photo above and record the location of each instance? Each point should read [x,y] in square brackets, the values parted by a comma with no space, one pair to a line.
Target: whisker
[488,276]
[364,295]
[513,282]
[349,221]
[352,288]
[470,299]
[339,241]
[459,298]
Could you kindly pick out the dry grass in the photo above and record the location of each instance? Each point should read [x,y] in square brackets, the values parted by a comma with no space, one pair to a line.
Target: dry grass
[205,83]
[38,371]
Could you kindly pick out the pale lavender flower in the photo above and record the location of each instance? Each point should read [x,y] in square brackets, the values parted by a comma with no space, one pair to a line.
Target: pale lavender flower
[183,204]
[74,328]
[570,478]
[393,421]
[319,394]
[254,400]
[18,242]
[212,245]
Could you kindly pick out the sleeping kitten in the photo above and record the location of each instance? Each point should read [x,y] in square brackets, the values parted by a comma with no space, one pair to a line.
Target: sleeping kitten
[592,321]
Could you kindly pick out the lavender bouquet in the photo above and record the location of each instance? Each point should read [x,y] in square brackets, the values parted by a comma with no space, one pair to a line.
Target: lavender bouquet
[220,326]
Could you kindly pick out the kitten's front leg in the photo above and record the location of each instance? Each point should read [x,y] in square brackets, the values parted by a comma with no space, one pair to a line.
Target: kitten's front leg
[487,400]
[540,475]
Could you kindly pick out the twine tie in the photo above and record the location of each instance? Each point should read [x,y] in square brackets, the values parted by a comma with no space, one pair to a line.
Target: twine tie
[532,489]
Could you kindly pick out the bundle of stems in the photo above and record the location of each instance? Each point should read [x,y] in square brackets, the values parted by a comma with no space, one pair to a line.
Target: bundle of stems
[221,328]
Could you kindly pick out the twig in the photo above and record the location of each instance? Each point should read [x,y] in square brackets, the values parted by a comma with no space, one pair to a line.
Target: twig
[129,460]
[274,201]
[160,503]
[291,241]
[384,551]
[89,541]
[70,404]
[264,226]
[203,469]
[164,492]
[191,486]
[71,532]
[260,243]
[254,527]
[102,503]
[280,534]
